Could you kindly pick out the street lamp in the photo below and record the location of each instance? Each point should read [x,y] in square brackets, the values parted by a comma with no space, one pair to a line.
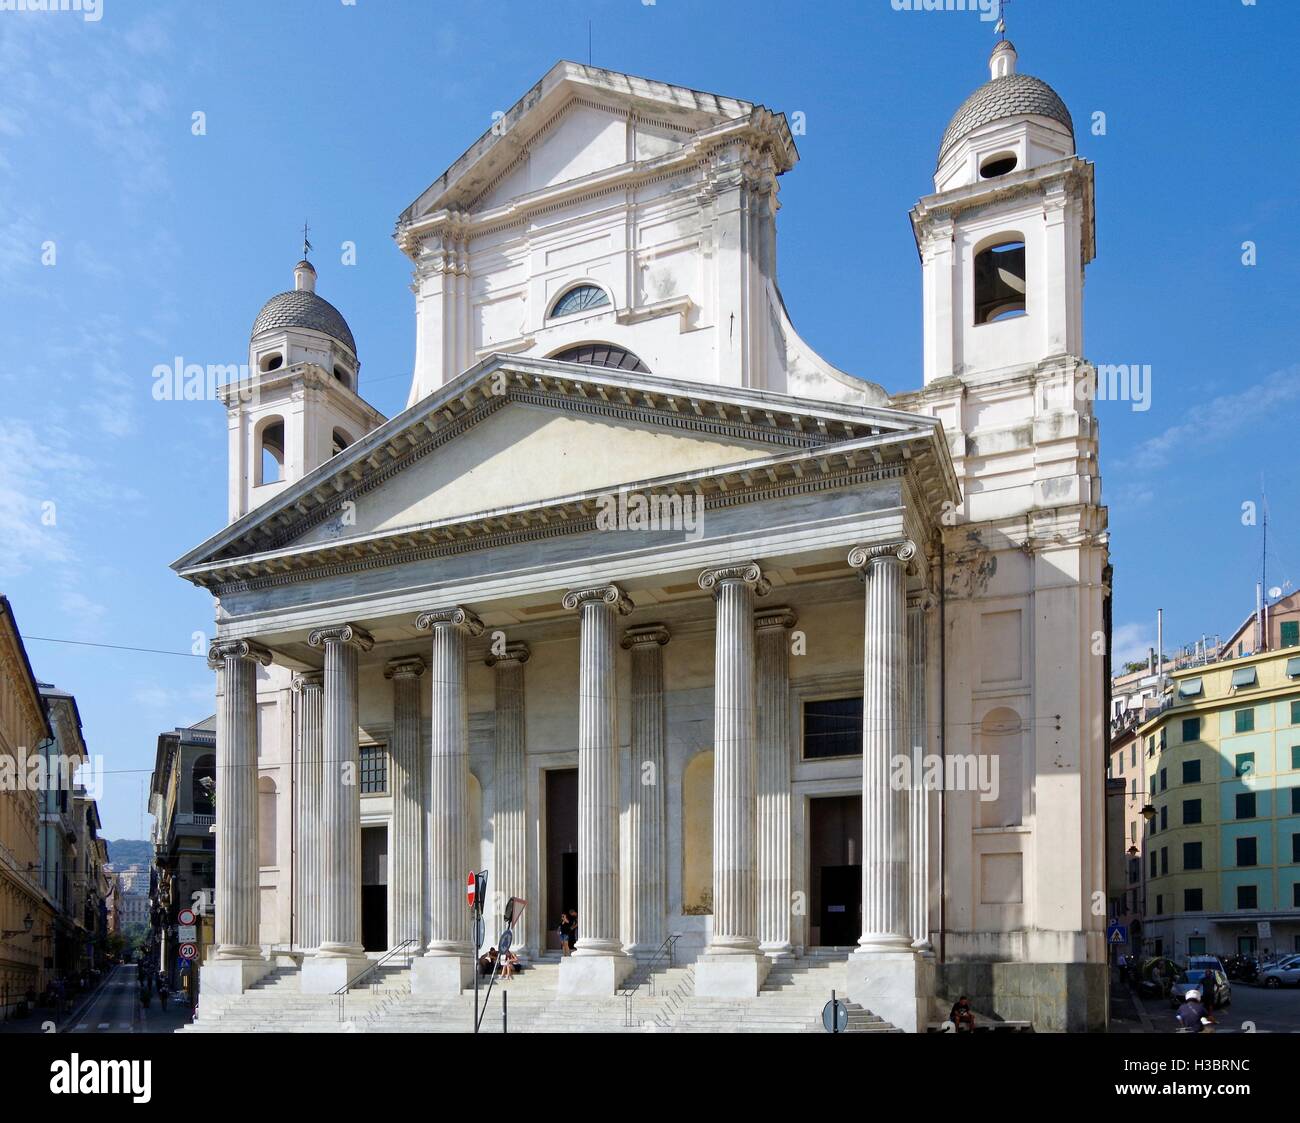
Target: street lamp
[27,927]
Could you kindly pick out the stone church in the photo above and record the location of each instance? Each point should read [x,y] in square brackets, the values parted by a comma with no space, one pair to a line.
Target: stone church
[652,613]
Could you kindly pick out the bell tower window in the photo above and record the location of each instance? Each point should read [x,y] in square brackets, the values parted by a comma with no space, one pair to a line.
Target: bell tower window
[270,453]
[1000,281]
[340,441]
[1000,164]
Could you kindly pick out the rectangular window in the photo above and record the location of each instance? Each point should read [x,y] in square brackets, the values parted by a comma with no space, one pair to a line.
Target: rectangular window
[1245,805]
[1290,633]
[1191,729]
[1295,848]
[1295,801]
[1133,748]
[1247,897]
[1191,855]
[1164,778]
[1295,712]
[1151,746]
[1164,860]
[1160,903]
[1245,676]
[1295,898]
[374,769]
[1244,721]
[1164,739]
[1191,772]
[1196,944]
[1191,812]
[1247,852]
[1119,763]
[1133,788]
[832,727]
[1192,901]
[1295,756]
[1164,817]
[1245,764]
[1154,859]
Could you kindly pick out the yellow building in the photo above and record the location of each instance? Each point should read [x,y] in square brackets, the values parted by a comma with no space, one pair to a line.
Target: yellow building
[1221,852]
[26,913]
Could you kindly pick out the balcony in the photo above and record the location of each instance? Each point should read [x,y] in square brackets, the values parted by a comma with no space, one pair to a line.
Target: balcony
[190,819]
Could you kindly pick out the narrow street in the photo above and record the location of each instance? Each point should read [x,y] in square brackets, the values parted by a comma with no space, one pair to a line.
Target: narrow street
[116,1009]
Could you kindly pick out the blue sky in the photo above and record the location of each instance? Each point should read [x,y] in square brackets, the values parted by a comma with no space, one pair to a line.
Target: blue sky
[166,244]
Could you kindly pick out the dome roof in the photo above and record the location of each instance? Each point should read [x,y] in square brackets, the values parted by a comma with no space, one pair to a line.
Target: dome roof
[301,308]
[1014,95]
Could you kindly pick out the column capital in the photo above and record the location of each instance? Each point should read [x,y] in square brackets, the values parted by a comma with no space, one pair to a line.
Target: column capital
[222,649]
[923,600]
[351,634]
[457,615]
[748,572]
[775,618]
[407,666]
[514,654]
[610,594]
[903,550]
[651,635]
[308,680]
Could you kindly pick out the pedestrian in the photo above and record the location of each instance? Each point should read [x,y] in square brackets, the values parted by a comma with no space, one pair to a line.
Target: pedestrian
[962,1016]
[565,930]
[573,928]
[509,961]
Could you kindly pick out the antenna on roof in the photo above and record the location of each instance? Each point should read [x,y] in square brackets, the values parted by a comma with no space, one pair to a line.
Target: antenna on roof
[306,245]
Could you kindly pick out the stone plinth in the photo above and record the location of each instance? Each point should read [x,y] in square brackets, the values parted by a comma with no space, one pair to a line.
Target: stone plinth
[730,976]
[323,974]
[897,987]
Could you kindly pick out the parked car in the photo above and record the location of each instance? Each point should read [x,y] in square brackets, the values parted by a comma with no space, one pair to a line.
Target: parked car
[1216,991]
[1286,973]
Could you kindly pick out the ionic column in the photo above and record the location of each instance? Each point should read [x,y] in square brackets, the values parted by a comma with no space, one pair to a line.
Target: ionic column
[238,896]
[598,963]
[773,732]
[918,819]
[885,738]
[447,955]
[509,822]
[648,888]
[406,763]
[735,904]
[340,886]
[308,690]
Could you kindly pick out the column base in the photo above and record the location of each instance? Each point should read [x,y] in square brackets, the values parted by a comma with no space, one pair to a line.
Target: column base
[441,974]
[327,974]
[738,975]
[593,974]
[777,953]
[897,986]
[231,976]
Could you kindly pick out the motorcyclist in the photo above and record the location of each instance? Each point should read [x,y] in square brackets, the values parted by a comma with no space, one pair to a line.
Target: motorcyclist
[1192,1016]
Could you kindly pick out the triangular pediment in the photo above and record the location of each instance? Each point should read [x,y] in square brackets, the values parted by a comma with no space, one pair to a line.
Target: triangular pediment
[519,441]
[575,123]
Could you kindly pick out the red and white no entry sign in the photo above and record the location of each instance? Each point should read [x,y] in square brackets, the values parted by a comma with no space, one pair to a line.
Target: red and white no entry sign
[470,884]
[185,916]
[188,951]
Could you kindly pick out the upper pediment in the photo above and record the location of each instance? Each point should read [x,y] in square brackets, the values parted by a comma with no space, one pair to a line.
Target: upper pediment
[516,442]
[577,122]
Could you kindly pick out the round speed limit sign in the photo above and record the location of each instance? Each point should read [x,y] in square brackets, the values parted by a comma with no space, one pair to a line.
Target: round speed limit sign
[188,951]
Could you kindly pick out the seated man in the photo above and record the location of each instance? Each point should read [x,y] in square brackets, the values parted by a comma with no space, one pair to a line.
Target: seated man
[962,1016]
[487,961]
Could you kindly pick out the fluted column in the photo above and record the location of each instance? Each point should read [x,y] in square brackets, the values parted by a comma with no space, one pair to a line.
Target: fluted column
[648,888]
[238,896]
[406,764]
[885,738]
[918,819]
[773,732]
[448,821]
[735,898]
[340,890]
[509,821]
[308,690]
[598,788]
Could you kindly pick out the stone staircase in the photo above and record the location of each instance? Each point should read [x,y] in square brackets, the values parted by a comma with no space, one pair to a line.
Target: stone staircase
[663,1000]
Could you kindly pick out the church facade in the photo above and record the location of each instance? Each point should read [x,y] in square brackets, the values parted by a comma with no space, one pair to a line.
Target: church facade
[648,610]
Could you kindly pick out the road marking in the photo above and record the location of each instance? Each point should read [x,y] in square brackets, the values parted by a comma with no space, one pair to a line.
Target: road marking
[79,1028]
[104,1025]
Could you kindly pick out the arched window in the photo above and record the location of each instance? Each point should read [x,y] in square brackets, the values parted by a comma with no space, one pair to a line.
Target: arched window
[602,355]
[271,362]
[204,779]
[268,850]
[999,164]
[697,835]
[340,441]
[580,298]
[343,375]
[1000,281]
[270,452]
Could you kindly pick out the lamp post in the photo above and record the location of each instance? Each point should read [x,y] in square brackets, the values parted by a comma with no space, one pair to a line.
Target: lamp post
[27,927]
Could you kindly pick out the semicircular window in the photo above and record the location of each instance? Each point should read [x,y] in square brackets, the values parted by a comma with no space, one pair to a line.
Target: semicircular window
[602,355]
[580,298]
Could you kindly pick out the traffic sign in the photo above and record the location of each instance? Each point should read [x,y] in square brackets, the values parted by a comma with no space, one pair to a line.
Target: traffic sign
[186,933]
[188,951]
[185,917]
[471,884]
[835,1016]
[1116,933]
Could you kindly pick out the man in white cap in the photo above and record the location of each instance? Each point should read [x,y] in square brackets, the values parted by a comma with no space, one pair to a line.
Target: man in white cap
[1192,1015]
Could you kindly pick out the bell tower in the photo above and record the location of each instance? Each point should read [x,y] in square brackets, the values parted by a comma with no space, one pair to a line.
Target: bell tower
[1006,236]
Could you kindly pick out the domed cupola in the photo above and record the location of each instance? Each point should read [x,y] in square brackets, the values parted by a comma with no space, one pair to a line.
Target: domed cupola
[300,326]
[1013,121]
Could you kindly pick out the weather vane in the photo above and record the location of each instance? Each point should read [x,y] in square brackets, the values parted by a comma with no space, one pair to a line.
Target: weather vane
[1001,26]
[306,245]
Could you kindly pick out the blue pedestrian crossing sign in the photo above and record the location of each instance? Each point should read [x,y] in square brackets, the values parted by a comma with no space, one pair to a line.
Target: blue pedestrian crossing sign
[1116,933]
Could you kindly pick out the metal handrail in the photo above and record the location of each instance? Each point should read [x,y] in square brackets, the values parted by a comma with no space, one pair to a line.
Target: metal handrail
[342,993]
[646,974]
